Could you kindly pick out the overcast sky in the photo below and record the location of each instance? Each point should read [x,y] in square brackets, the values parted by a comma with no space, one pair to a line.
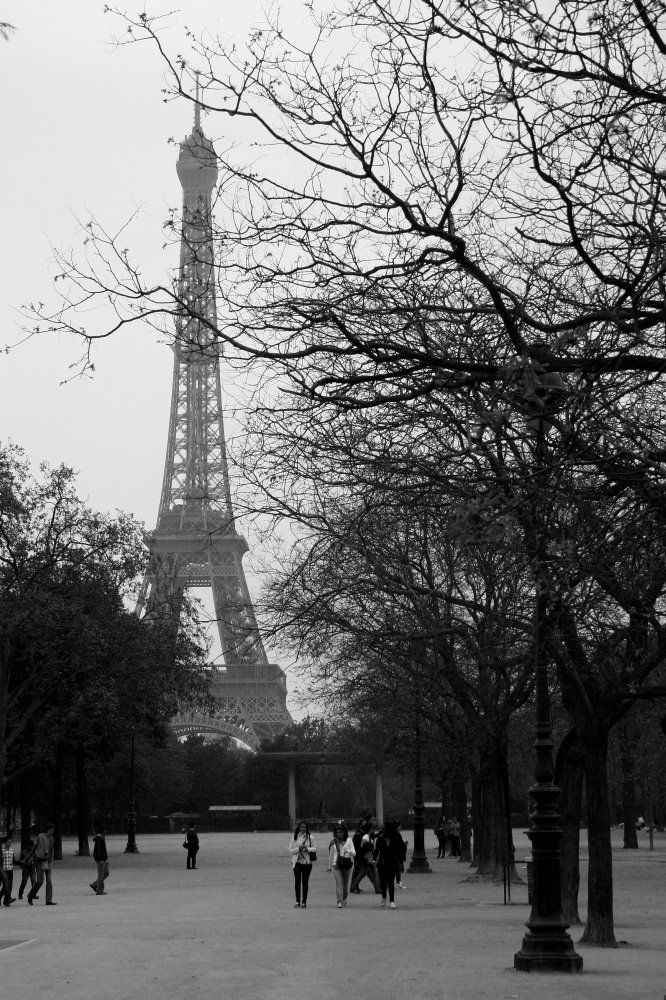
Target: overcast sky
[85,133]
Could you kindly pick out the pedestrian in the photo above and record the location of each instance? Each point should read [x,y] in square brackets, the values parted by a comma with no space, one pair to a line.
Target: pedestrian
[364,862]
[357,837]
[341,862]
[388,851]
[448,831]
[441,837]
[7,877]
[403,855]
[43,863]
[303,850]
[192,845]
[101,859]
[26,863]
[455,837]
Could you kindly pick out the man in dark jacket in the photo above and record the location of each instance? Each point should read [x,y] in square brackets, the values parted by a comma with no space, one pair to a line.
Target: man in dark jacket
[101,860]
[192,841]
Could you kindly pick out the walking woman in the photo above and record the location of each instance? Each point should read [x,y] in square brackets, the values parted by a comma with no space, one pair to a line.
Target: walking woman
[341,861]
[303,851]
[388,853]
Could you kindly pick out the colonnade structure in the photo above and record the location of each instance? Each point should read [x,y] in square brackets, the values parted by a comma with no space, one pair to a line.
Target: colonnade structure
[295,757]
[195,542]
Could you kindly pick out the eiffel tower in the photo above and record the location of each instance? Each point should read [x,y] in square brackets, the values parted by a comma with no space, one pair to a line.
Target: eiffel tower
[195,543]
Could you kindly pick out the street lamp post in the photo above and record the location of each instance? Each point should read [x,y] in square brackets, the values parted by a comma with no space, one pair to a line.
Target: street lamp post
[546,947]
[419,863]
[322,809]
[131,847]
[344,797]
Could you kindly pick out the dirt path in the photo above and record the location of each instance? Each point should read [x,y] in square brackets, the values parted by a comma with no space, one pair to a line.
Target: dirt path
[229,930]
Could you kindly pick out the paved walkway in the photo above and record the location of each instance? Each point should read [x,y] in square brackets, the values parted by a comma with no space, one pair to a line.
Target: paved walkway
[229,930]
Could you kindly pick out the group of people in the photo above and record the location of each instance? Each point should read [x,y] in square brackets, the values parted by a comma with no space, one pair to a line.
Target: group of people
[376,854]
[447,831]
[35,862]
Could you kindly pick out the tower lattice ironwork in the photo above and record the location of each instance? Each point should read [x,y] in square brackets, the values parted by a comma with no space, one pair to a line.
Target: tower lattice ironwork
[195,543]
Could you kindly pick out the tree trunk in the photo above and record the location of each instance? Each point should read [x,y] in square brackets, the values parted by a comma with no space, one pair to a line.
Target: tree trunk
[627,741]
[25,799]
[476,819]
[57,801]
[599,927]
[569,776]
[494,845]
[81,801]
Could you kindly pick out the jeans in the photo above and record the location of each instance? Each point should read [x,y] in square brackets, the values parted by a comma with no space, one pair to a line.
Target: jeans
[191,857]
[342,883]
[41,874]
[301,879]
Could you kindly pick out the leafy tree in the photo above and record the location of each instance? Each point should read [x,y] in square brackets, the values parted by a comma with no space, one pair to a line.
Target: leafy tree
[55,555]
[80,671]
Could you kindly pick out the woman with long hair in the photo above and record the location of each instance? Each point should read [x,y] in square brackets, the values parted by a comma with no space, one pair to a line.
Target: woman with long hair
[341,862]
[301,847]
[388,853]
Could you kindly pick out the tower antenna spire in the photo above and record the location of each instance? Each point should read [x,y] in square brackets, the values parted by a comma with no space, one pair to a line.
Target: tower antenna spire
[197,104]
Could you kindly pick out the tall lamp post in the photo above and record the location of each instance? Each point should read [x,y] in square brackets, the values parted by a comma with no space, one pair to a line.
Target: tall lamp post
[546,947]
[131,847]
[419,862]
[322,808]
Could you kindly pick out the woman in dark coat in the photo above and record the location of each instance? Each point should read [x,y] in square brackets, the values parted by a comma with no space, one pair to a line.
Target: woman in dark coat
[388,853]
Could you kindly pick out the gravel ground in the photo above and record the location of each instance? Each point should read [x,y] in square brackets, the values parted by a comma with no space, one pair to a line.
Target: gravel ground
[229,930]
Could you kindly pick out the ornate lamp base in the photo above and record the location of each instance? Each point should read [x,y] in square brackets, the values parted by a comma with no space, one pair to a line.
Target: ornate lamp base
[548,950]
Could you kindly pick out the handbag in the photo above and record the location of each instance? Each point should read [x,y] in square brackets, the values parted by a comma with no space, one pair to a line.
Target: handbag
[343,862]
[313,855]
[185,844]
